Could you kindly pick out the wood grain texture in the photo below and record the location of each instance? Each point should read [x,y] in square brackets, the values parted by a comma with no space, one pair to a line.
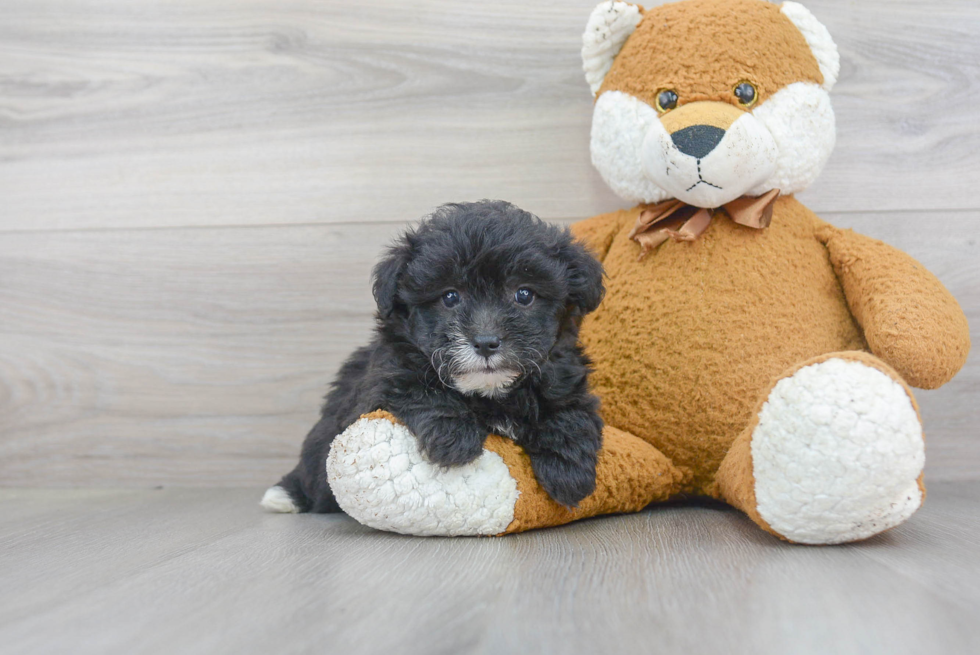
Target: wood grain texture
[197,356]
[194,571]
[221,112]
[193,193]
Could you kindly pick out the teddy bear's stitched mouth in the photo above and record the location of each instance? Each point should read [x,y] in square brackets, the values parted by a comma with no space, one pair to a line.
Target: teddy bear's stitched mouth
[701,180]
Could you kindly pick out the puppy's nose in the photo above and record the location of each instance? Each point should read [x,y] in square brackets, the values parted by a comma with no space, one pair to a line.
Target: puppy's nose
[486,344]
[698,140]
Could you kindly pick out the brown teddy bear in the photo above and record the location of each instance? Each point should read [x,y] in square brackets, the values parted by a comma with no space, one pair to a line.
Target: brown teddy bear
[745,350]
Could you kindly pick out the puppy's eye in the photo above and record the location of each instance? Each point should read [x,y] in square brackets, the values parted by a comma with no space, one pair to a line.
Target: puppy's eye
[524,296]
[746,94]
[666,100]
[450,299]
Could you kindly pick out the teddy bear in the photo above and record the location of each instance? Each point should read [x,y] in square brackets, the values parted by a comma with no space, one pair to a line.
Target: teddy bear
[745,350]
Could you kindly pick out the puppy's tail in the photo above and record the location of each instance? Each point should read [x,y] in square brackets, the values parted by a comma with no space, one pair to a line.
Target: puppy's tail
[287,497]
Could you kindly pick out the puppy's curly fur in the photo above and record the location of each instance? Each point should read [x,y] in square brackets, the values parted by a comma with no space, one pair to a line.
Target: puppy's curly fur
[478,313]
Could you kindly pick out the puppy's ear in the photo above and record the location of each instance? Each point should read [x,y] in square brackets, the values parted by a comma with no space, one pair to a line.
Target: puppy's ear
[387,277]
[585,288]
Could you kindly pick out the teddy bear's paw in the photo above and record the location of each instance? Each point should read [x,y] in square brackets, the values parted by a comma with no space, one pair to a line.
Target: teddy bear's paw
[837,454]
[381,479]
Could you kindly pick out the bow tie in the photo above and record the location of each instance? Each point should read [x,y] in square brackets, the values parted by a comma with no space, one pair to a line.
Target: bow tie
[673,219]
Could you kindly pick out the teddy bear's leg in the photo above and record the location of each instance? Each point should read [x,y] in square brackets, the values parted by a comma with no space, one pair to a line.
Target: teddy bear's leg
[381,479]
[835,453]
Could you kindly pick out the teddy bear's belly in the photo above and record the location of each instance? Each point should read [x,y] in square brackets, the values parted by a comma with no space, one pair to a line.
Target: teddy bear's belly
[687,340]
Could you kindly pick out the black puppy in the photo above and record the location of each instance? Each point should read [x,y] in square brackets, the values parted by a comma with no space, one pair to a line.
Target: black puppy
[478,313]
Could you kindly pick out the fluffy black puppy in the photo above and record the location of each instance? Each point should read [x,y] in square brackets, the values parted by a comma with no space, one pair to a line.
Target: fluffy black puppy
[478,313]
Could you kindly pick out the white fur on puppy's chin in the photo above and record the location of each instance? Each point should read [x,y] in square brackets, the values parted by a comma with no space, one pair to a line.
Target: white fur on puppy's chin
[799,120]
[745,157]
[488,384]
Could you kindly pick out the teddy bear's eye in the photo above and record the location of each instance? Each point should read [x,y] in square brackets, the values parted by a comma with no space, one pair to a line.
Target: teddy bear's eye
[746,94]
[666,100]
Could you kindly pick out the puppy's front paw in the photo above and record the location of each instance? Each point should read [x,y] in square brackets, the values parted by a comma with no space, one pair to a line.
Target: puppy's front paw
[567,482]
[452,442]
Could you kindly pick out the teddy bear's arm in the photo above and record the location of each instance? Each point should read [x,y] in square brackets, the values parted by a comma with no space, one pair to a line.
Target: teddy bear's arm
[910,320]
[597,232]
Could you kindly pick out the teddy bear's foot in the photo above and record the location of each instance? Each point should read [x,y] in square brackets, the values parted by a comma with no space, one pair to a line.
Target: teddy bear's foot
[836,456]
[381,479]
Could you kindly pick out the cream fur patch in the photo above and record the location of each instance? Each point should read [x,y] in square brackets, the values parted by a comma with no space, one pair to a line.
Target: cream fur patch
[610,24]
[382,480]
[785,141]
[818,38]
[620,124]
[488,384]
[744,158]
[801,121]
[276,499]
[505,428]
[837,454]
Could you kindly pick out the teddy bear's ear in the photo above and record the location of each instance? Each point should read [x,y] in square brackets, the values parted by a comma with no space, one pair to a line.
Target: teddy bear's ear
[818,38]
[609,26]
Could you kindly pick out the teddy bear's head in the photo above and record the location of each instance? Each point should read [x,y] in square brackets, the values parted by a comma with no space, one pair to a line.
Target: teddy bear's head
[709,100]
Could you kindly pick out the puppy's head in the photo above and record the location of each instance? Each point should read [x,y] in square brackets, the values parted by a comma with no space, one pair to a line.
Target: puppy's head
[484,291]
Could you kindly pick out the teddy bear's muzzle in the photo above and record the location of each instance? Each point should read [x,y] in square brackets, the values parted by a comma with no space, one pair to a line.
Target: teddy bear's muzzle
[697,128]
[708,153]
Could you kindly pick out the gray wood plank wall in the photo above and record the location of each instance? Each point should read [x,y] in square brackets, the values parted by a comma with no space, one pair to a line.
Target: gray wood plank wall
[192,194]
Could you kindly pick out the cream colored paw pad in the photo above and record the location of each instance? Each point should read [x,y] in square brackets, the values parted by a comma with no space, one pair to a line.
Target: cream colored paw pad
[381,479]
[837,454]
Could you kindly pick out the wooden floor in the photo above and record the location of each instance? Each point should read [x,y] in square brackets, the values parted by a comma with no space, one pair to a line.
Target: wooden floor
[201,571]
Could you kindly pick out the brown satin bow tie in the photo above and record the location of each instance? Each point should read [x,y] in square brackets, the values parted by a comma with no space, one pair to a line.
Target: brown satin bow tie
[673,219]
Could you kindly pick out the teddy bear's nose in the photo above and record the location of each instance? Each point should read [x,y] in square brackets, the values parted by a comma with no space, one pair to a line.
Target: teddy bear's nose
[698,140]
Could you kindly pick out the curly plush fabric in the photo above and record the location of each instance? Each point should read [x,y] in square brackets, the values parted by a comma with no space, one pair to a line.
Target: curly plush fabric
[770,368]
[630,475]
[848,466]
[707,325]
[609,26]
[380,478]
[909,318]
[732,41]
